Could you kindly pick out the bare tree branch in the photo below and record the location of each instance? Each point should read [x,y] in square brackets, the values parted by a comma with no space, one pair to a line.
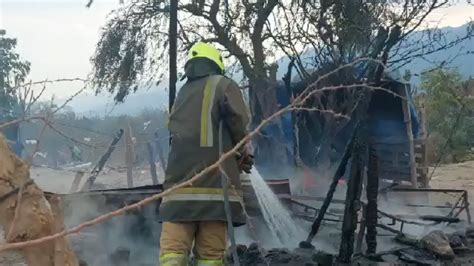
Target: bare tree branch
[297,102]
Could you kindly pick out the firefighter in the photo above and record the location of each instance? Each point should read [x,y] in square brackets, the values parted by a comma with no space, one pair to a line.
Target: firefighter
[196,213]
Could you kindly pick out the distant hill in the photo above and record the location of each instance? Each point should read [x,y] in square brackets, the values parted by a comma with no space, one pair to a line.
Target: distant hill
[157,96]
[103,104]
[456,55]
[463,62]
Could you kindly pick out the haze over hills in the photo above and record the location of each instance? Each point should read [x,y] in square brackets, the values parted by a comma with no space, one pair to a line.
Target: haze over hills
[103,104]
[157,96]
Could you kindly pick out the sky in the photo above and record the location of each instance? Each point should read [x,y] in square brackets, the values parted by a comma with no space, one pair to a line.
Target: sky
[58,37]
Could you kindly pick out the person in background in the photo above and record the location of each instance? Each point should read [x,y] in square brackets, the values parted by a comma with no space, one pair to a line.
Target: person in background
[76,153]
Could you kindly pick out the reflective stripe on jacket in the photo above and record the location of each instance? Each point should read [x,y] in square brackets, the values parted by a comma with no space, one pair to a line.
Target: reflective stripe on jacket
[203,194]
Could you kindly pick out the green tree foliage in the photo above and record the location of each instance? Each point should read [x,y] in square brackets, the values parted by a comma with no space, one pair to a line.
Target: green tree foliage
[133,47]
[450,114]
[13,71]
[318,36]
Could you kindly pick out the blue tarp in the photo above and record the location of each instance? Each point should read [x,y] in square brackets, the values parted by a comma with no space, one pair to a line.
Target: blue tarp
[386,125]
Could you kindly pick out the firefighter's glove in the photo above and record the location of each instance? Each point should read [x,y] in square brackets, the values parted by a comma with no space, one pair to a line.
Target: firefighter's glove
[245,162]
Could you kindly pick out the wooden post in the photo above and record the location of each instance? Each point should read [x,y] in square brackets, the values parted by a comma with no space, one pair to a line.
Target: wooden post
[359,160]
[151,161]
[76,181]
[353,193]
[424,160]
[407,120]
[159,150]
[173,39]
[341,169]
[371,208]
[129,155]
[423,118]
[173,36]
[361,233]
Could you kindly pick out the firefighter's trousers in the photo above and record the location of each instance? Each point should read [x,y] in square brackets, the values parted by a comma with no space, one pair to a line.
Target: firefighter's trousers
[177,239]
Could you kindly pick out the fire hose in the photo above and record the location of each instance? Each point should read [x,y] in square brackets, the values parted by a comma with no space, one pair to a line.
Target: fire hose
[230,227]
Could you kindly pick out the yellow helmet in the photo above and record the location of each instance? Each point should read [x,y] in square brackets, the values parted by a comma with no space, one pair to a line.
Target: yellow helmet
[204,50]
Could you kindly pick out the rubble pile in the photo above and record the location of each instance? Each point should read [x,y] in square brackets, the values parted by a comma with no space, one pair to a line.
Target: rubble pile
[36,216]
[435,248]
[255,255]
[438,243]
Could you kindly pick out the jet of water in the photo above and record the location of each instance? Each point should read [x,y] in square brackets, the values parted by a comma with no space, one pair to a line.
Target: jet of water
[282,226]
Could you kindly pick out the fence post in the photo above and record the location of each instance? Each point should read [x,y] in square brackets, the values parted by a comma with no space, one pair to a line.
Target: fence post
[407,120]
[424,160]
[151,161]
[129,155]
[159,151]
[76,181]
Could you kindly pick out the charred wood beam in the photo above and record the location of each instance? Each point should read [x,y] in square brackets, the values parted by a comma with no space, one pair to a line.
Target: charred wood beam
[440,219]
[173,36]
[352,206]
[371,208]
[287,80]
[341,169]
[100,165]
[432,206]
[456,204]
[406,189]
[354,188]
[362,103]
[362,229]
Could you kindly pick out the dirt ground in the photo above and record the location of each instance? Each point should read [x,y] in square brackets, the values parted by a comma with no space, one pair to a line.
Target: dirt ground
[455,176]
[59,181]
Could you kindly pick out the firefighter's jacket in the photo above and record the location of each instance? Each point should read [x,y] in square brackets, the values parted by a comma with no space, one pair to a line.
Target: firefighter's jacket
[202,103]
